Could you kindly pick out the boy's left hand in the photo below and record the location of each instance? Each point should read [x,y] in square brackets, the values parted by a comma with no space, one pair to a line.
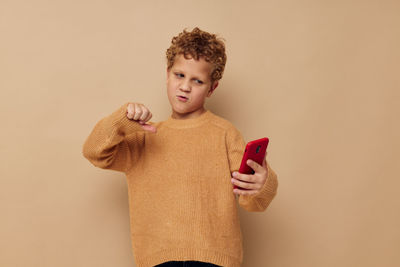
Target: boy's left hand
[251,183]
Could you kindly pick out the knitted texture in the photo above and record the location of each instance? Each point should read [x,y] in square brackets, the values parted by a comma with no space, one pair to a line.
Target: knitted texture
[181,200]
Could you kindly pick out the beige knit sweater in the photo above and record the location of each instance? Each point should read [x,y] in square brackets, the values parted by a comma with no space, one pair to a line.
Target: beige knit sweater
[181,200]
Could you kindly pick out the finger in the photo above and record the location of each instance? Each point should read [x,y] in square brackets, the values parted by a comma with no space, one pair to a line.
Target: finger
[130,111]
[244,192]
[243,177]
[242,184]
[254,165]
[147,117]
[138,112]
[145,113]
[150,116]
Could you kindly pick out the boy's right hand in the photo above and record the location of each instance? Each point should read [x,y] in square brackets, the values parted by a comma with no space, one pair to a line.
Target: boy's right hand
[140,113]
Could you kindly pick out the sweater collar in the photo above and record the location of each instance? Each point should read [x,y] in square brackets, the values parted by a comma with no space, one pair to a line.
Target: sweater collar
[188,123]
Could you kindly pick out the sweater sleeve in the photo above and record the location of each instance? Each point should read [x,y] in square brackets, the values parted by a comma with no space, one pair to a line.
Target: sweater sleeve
[261,200]
[115,142]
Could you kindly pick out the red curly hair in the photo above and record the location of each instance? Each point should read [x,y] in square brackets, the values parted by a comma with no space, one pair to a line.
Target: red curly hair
[199,44]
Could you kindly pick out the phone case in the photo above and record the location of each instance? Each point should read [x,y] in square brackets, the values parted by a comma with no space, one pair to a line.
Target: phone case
[255,150]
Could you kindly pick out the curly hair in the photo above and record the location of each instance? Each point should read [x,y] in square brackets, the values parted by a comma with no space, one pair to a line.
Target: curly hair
[199,44]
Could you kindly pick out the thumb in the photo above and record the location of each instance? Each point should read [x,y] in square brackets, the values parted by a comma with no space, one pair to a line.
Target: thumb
[149,128]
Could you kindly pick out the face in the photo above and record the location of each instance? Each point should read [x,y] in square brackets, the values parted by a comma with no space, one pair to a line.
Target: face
[188,84]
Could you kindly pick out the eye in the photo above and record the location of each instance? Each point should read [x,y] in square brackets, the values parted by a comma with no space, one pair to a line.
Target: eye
[199,81]
[179,75]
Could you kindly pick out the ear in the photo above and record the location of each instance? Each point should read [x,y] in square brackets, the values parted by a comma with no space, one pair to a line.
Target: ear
[212,89]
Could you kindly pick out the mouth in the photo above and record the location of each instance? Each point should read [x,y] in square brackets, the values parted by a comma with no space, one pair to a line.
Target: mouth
[182,98]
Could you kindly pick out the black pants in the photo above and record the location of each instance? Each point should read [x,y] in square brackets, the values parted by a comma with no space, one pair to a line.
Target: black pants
[186,264]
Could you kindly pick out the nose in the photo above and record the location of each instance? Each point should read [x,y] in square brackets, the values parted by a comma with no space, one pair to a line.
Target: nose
[185,86]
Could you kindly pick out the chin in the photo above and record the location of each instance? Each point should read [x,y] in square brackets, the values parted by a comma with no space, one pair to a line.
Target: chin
[181,111]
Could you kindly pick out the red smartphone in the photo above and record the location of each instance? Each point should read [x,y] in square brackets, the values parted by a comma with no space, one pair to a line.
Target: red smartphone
[255,150]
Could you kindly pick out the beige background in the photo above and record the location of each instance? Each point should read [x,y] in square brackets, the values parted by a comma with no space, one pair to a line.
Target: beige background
[319,78]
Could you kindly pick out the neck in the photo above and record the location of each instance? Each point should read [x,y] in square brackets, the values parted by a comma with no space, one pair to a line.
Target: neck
[189,115]
[189,122]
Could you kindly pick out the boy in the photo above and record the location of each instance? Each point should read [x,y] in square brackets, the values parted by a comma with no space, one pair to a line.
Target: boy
[183,209]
